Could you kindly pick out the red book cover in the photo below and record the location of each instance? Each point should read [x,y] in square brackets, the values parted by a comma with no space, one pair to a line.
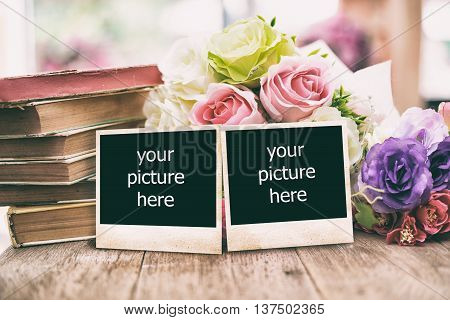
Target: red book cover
[72,83]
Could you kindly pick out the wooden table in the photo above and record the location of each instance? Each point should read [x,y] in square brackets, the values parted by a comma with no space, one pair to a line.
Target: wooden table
[365,269]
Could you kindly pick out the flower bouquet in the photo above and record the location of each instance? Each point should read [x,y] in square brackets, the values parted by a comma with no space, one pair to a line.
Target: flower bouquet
[404,180]
[250,73]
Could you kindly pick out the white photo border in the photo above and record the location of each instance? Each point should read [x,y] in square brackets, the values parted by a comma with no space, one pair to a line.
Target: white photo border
[293,233]
[161,238]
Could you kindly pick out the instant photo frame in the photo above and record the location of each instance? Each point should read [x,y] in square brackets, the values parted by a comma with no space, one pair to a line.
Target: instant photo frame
[252,220]
[191,221]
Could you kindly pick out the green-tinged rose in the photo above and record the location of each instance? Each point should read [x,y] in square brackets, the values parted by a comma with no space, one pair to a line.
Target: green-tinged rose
[245,50]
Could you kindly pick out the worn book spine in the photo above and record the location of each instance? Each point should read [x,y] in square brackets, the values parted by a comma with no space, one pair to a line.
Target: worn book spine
[12,233]
[23,172]
[71,83]
[56,146]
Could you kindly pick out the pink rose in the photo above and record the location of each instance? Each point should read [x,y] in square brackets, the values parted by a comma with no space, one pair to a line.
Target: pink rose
[444,111]
[295,87]
[433,216]
[227,104]
[408,234]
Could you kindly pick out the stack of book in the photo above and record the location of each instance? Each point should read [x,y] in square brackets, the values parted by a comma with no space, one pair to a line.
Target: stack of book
[48,126]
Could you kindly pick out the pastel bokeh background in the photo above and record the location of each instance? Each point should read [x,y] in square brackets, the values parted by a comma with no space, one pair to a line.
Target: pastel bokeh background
[44,35]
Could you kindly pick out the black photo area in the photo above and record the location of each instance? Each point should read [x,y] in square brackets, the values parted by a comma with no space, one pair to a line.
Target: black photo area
[194,155]
[250,203]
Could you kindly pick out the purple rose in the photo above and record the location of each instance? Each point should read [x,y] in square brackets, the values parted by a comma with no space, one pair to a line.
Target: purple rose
[440,165]
[426,126]
[398,167]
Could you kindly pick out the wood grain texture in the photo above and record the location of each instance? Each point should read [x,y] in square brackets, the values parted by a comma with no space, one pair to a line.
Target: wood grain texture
[366,269]
[370,269]
[73,270]
[274,274]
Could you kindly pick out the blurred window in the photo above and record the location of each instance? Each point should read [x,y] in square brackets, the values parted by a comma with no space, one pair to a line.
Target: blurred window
[435,55]
[109,33]
[117,32]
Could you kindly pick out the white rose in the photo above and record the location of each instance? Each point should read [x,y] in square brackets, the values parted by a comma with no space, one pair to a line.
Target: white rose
[185,69]
[360,104]
[325,114]
[165,111]
[355,149]
[379,134]
[383,129]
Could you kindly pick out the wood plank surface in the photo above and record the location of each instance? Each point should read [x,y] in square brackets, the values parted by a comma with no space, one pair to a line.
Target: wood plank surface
[366,269]
[73,270]
[370,269]
[269,274]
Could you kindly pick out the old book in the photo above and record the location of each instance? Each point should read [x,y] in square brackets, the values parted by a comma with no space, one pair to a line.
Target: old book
[63,115]
[32,225]
[43,172]
[56,146]
[73,83]
[40,194]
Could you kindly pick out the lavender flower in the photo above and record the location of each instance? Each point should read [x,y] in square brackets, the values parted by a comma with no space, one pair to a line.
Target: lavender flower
[440,165]
[399,168]
[427,126]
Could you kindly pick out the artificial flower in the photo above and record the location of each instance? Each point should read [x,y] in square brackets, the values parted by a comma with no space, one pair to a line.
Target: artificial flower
[227,104]
[386,223]
[164,111]
[185,69]
[399,169]
[370,221]
[330,114]
[243,52]
[343,101]
[408,234]
[444,111]
[361,105]
[433,216]
[440,165]
[379,134]
[295,87]
[426,126]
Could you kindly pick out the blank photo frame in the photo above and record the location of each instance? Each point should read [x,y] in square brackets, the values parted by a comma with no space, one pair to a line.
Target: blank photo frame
[159,191]
[286,185]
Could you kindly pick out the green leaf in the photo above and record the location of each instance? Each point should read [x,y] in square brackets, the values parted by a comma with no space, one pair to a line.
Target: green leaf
[365,216]
[314,52]
[261,18]
[324,55]
[273,21]
[340,100]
